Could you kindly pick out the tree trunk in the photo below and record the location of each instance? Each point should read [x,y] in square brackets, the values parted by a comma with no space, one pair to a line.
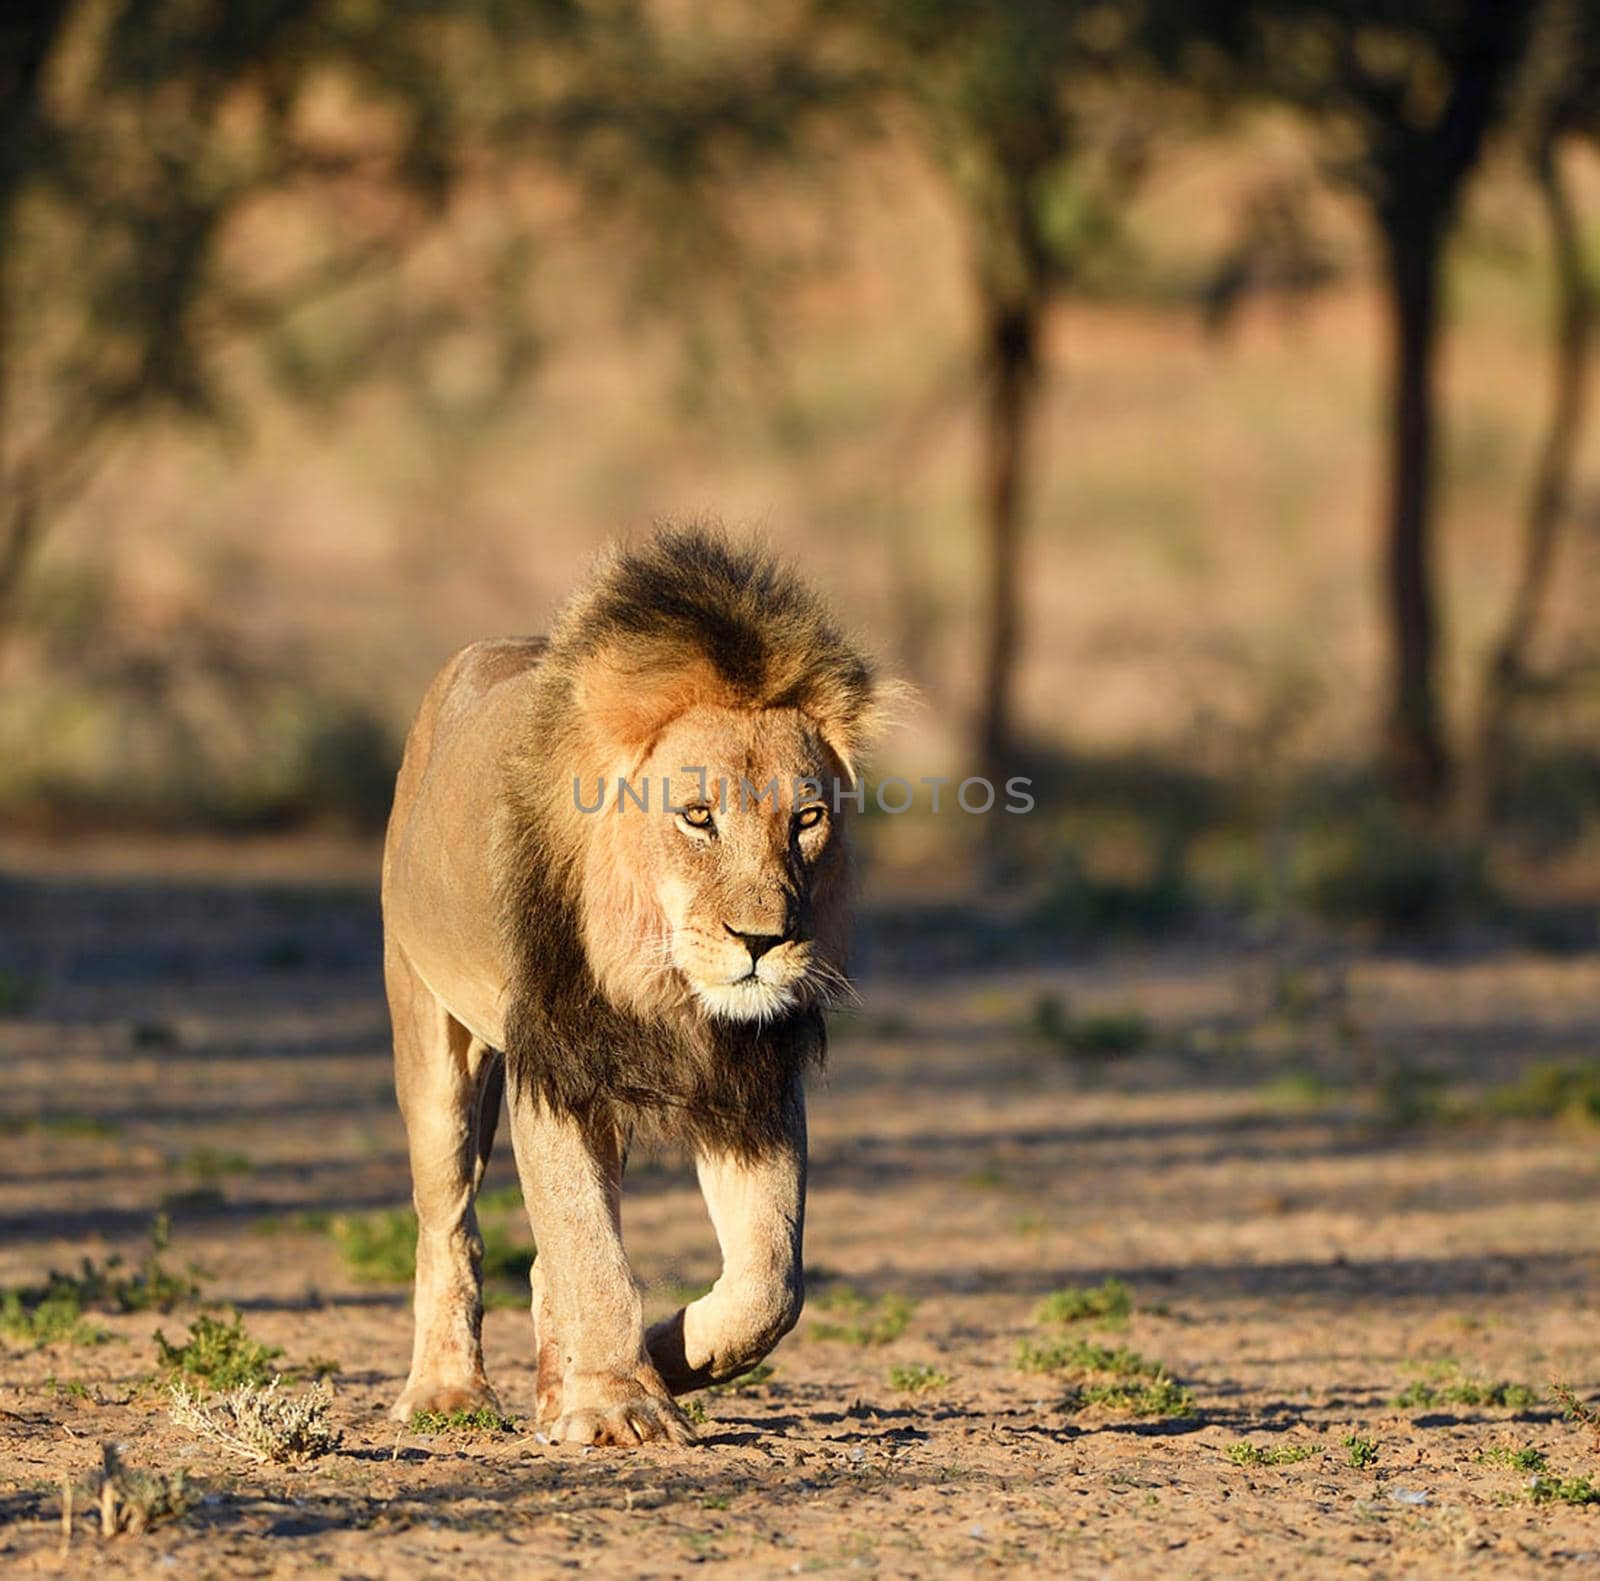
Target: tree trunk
[1011,352]
[1417,762]
[28,35]
[1507,664]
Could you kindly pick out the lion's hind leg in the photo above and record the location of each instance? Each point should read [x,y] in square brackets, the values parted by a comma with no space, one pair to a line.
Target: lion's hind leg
[449,1086]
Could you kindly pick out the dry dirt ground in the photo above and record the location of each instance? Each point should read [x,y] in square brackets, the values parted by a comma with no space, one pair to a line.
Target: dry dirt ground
[1299,1250]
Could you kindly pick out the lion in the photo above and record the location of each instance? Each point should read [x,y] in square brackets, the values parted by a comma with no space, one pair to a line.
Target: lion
[612,965]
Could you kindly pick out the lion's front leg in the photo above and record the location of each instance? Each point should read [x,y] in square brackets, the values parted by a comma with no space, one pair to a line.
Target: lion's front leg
[758,1210]
[586,1306]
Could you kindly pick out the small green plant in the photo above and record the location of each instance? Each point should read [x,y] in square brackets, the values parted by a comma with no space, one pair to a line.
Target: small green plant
[1247,1454]
[90,1127]
[1110,1302]
[381,1248]
[378,1248]
[1547,1092]
[217,1355]
[210,1164]
[1082,1355]
[746,1382]
[71,1387]
[51,1319]
[695,1410]
[1513,1459]
[1160,1396]
[1360,1452]
[1587,1416]
[917,1378]
[868,1322]
[1563,1490]
[481,1419]
[53,1312]
[1099,1035]
[17,991]
[1466,1391]
[1381,871]
[258,1423]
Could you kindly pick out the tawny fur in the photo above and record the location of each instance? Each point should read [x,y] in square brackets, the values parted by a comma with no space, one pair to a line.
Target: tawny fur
[622,968]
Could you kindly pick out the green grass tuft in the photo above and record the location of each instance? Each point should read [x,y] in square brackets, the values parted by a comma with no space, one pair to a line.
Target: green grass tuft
[381,1248]
[1082,1355]
[1467,1391]
[867,1322]
[1548,1092]
[1360,1452]
[1110,1302]
[1247,1454]
[53,1313]
[1161,1396]
[49,1320]
[482,1419]
[1563,1490]
[1104,1034]
[746,1382]
[1525,1459]
[917,1378]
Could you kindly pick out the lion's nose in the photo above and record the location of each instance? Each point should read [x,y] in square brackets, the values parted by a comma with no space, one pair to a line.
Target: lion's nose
[756,943]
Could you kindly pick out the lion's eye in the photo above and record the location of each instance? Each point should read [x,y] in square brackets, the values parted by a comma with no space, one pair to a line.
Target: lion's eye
[809,817]
[696,817]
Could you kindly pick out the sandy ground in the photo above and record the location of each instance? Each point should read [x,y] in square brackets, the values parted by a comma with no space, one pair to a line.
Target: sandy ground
[1296,1256]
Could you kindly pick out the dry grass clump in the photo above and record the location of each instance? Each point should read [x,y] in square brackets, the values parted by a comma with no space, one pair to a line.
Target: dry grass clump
[130,1501]
[258,1423]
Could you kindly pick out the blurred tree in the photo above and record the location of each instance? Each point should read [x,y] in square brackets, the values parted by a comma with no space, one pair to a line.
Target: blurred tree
[1558,104]
[1027,112]
[1405,92]
[143,146]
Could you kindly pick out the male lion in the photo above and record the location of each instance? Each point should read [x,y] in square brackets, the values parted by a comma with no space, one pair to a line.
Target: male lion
[620,968]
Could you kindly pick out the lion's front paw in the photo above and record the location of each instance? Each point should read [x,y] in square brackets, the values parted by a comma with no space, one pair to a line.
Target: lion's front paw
[603,1409]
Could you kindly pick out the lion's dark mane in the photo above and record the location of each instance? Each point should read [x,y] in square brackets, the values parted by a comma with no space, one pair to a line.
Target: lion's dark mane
[685,597]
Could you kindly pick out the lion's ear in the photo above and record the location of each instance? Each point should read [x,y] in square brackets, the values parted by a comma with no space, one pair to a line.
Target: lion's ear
[851,731]
[629,698]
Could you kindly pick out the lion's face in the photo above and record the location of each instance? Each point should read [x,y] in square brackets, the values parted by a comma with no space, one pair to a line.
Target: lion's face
[747,881]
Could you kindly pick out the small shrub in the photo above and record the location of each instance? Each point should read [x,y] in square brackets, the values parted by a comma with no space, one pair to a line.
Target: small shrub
[1587,1416]
[1247,1454]
[917,1378]
[1109,1302]
[258,1423]
[219,1355]
[1382,872]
